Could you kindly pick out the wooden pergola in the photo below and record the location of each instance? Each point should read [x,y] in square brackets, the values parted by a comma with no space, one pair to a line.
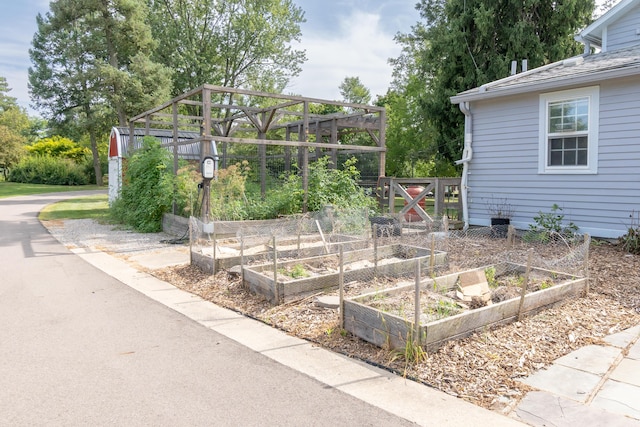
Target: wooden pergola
[224,115]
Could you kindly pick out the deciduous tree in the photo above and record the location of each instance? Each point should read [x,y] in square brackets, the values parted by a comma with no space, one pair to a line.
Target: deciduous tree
[14,126]
[92,67]
[236,43]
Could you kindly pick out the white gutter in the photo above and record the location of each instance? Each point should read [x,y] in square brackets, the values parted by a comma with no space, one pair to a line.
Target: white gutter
[467,155]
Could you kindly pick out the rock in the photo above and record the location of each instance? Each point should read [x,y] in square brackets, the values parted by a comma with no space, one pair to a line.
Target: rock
[327,301]
[235,270]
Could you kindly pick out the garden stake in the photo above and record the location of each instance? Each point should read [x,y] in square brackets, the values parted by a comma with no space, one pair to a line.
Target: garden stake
[432,259]
[341,283]
[416,320]
[375,249]
[510,236]
[324,241]
[191,241]
[524,285]
[213,242]
[275,271]
[242,259]
[587,241]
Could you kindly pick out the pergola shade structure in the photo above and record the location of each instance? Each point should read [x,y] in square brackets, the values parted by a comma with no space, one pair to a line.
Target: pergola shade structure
[275,133]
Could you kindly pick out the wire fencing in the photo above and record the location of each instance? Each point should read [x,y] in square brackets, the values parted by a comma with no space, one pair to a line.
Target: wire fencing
[288,259]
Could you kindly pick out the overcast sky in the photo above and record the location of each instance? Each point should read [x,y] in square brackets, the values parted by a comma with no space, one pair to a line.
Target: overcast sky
[342,38]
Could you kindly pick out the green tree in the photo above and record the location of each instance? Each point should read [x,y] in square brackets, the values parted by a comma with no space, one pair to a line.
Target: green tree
[466,43]
[92,67]
[354,91]
[236,43]
[14,126]
[6,101]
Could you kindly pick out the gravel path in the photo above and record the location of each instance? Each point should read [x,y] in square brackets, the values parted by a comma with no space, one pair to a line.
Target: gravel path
[87,233]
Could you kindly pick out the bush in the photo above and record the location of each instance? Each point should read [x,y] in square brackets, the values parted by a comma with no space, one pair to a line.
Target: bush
[631,240]
[284,199]
[147,189]
[327,187]
[230,200]
[549,226]
[58,146]
[336,187]
[48,170]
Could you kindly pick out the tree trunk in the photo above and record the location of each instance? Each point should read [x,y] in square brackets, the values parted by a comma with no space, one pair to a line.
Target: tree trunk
[94,145]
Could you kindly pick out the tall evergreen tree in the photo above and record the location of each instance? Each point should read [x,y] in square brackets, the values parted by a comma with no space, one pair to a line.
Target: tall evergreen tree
[354,91]
[92,67]
[466,43]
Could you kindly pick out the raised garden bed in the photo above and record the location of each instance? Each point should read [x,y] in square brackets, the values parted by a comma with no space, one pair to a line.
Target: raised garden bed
[301,277]
[229,253]
[386,318]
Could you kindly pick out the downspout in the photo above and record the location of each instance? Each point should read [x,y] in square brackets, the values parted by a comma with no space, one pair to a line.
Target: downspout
[467,155]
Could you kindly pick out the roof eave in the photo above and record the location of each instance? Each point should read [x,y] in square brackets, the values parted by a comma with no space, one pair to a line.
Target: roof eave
[547,85]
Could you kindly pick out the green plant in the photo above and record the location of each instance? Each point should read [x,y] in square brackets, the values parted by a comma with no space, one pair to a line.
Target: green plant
[547,225]
[546,284]
[445,308]
[336,187]
[412,352]
[147,188]
[490,274]
[48,170]
[296,272]
[630,242]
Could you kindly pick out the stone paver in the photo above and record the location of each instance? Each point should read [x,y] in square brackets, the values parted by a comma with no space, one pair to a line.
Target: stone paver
[624,338]
[628,371]
[620,398]
[634,351]
[595,359]
[540,408]
[564,381]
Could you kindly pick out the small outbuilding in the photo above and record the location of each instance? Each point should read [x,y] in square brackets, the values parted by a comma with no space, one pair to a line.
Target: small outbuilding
[567,133]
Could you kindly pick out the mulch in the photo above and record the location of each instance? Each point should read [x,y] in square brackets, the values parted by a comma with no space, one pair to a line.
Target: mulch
[483,368]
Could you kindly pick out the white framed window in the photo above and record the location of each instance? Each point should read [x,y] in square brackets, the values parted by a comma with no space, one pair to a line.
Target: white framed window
[569,131]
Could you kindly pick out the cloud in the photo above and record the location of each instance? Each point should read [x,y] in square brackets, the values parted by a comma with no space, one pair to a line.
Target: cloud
[359,47]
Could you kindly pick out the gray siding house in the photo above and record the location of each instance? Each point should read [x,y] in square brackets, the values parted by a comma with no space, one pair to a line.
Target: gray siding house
[566,133]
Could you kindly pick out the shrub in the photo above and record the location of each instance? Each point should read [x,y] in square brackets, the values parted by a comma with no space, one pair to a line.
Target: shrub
[147,188]
[336,187]
[187,193]
[284,199]
[549,225]
[631,240]
[58,146]
[48,170]
[230,200]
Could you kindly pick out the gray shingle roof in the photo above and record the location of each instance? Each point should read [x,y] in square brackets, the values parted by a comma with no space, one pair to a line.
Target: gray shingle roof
[569,72]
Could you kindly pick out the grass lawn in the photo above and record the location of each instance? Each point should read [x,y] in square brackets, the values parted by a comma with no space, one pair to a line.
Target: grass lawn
[94,207]
[11,189]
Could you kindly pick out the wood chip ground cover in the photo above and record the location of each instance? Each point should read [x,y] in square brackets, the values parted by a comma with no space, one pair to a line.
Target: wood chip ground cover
[483,368]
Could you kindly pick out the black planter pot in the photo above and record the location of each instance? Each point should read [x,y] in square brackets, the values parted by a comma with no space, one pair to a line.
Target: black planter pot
[499,227]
